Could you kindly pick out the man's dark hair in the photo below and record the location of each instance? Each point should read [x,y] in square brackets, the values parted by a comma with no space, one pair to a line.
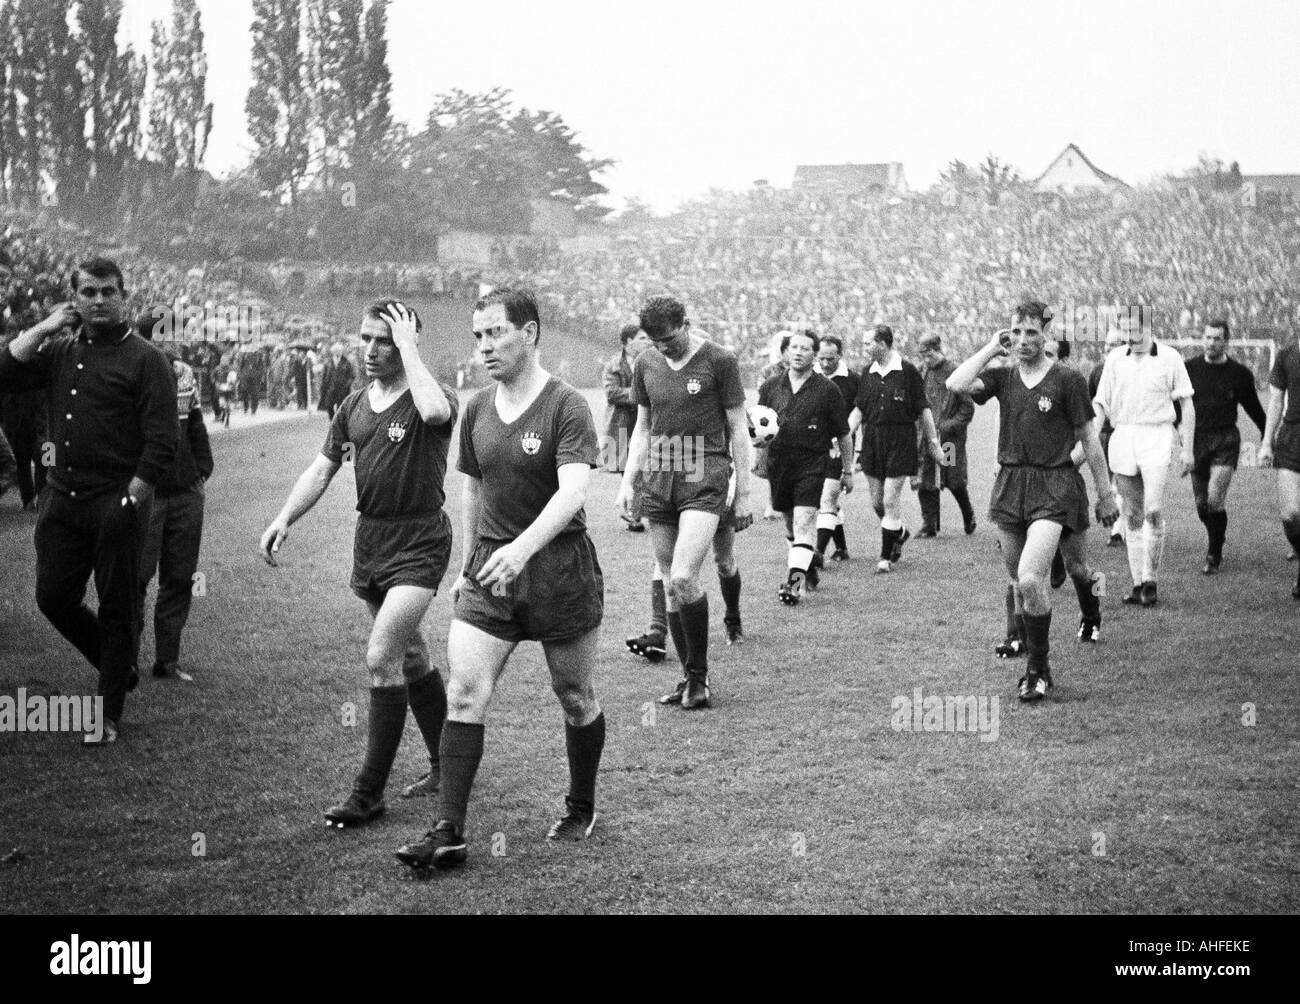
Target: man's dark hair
[379,308]
[1062,350]
[628,332]
[662,314]
[834,340]
[520,304]
[98,268]
[883,333]
[1222,324]
[808,333]
[1033,310]
[931,340]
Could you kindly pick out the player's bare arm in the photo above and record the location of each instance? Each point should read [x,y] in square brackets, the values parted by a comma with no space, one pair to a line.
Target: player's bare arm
[637,449]
[471,506]
[738,427]
[508,562]
[846,458]
[1107,512]
[965,379]
[430,401]
[306,492]
[1276,400]
[26,345]
[1188,431]
[932,436]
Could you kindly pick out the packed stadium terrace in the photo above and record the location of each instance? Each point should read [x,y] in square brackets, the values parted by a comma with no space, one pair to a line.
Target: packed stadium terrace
[748,265]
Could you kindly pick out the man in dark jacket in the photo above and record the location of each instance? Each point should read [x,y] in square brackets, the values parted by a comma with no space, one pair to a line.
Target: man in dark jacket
[621,412]
[175,533]
[952,414]
[112,408]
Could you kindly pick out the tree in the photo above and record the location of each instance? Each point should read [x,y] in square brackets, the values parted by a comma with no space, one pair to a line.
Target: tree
[113,90]
[996,178]
[277,108]
[180,116]
[562,168]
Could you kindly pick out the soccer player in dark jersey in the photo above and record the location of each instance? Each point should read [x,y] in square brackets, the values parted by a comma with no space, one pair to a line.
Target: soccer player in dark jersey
[1219,385]
[890,401]
[810,416]
[690,428]
[1039,495]
[830,517]
[1281,445]
[396,431]
[527,448]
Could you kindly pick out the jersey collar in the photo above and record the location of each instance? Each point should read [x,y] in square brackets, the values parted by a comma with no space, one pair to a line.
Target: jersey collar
[895,364]
[1154,343]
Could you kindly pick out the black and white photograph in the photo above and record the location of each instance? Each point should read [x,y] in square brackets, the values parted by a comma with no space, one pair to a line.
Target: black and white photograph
[688,459]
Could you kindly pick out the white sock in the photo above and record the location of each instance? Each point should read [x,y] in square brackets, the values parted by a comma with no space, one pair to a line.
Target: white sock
[1153,539]
[800,557]
[891,523]
[1135,543]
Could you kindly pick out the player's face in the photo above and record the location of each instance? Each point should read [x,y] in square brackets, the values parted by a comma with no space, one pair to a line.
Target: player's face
[382,360]
[828,358]
[637,344]
[931,355]
[877,350]
[1214,343]
[801,353]
[502,347]
[673,344]
[1135,335]
[1028,339]
[99,300]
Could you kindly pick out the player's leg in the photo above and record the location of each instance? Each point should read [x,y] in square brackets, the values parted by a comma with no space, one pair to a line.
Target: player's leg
[178,562]
[1012,542]
[1200,478]
[1087,585]
[650,644]
[1216,522]
[572,664]
[724,556]
[1033,575]
[396,621]
[1288,498]
[893,534]
[1155,473]
[876,492]
[1131,491]
[830,525]
[801,530]
[687,601]
[957,485]
[476,660]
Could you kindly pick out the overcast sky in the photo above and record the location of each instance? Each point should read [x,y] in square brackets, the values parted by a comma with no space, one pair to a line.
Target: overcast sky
[691,95]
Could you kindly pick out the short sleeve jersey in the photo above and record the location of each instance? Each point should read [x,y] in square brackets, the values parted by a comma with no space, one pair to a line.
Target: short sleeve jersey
[1286,377]
[518,462]
[692,401]
[1037,424]
[1141,389]
[400,460]
[893,398]
[807,420]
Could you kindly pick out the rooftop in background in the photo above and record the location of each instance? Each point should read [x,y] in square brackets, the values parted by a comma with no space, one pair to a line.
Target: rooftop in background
[1072,171]
[864,178]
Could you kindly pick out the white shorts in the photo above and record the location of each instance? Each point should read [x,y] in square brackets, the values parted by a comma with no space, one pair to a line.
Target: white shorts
[1141,449]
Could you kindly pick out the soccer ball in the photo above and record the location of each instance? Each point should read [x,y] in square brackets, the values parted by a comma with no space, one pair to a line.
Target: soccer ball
[762,425]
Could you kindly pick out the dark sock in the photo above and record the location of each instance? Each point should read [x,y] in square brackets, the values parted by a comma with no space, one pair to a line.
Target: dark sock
[823,538]
[695,626]
[837,535]
[1058,566]
[1012,630]
[1203,513]
[887,538]
[460,752]
[584,744]
[731,597]
[1021,632]
[678,634]
[1089,602]
[1218,527]
[658,608]
[963,503]
[387,720]
[1038,628]
[1292,529]
[428,701]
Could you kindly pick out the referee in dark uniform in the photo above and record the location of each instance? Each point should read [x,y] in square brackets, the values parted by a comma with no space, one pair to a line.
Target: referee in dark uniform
[112,407]
[1219,384]
[810,416]
[527,448]
[890,401]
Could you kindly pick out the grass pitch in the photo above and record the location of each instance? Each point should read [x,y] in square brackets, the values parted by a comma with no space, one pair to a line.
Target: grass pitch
[1135,788]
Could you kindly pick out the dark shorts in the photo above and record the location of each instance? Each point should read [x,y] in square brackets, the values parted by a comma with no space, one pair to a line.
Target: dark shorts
[1023,495]
[399,552]
[667,494]
[796,480]
[889,451]
[1286,449]
[1215,448]
[559,596]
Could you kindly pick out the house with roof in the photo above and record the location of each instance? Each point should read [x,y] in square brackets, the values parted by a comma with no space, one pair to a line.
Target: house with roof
[1072,172]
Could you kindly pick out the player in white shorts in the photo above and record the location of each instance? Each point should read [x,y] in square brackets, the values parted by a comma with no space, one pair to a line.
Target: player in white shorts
[1139,385]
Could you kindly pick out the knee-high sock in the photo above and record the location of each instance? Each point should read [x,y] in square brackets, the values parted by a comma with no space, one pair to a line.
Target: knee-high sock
[695,626]
[428,701]
[1153,538]
[963,503]
[838,533]
[460,752]
[1089,602]
[1292,529]
[887,539]
[825,530]
[658,608]
[584,744]
[387,720]
[1012,626]
[731,597]
[1135,543]
[1217,524]
[1038,629]
[678,634]
[1203,513]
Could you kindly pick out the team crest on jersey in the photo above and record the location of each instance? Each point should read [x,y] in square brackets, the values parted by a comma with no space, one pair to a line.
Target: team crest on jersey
[1044,404]
[531,442]
[693,385]
[396,431]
